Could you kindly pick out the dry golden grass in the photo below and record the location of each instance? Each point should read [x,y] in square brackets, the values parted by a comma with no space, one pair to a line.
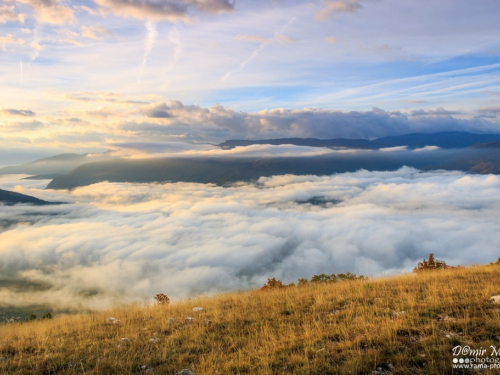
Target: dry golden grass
[286,331]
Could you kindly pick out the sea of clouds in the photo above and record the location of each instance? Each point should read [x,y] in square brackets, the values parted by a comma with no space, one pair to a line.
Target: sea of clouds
[118,243]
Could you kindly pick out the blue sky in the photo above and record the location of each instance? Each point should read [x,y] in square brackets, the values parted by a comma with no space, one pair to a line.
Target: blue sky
[89,69]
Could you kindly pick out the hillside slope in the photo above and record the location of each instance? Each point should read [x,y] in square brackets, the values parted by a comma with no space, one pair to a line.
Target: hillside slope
[10,197]
[398,325]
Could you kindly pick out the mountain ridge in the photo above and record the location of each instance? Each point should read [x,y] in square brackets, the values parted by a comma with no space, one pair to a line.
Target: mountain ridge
[454,139]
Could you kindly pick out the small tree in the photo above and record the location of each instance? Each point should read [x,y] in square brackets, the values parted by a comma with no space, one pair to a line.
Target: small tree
[273,284]
[162,299]
[431,264]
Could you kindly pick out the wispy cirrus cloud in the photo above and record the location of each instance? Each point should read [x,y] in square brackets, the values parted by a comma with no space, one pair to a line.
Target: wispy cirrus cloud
[332,8]
[17,112]
[170,10]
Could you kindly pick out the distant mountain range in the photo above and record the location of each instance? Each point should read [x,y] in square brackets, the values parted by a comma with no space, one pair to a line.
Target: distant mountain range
[415,140]
[223,171]
[476,153]
[10,198]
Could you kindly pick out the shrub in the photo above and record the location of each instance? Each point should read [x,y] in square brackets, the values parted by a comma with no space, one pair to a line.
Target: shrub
[273,284]
[431,264]
[162,299]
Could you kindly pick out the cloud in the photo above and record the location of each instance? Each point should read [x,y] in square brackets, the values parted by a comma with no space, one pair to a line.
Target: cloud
[252,38]
[393,149]
[256,52]
[426,148]
[437,112]
[490,110]
[151,35]
[8,14]
[96,32]
[49,11]
[332,8]
[185,239]
[18,112]
[331,40]
[170,10]
[109,97]
[283,39]
[10,39]
[185,150]
[221,123]
[157,110]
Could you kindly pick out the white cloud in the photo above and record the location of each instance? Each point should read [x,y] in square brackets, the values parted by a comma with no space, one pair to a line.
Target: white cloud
[10,40]
[7,13]
[49,11]
[164,9]
[332,8]
[221,123]
[126,242]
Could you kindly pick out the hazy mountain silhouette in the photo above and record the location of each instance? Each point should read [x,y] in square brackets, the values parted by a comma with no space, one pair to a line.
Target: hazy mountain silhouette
[224,171]
[415,140]
[10,197]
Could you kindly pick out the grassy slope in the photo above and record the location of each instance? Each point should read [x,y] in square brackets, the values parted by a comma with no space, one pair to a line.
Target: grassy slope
[275,332]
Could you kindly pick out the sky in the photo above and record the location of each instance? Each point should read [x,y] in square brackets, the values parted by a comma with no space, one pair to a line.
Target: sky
[88,75]
[118,243]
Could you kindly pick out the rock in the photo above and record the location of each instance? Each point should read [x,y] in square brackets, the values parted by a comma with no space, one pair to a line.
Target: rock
[189,320]
[444,317]
[125,339]
[495,299]
[146,369]
[111,319]
[154,340]
[185,372]
[197,309]
[335,312]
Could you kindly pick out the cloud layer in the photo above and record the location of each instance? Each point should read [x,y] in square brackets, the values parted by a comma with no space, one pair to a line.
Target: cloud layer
[191,121]
[119,243]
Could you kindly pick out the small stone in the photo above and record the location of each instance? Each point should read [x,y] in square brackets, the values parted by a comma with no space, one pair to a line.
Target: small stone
[197,309]
[189,320]
[154,340]
[111,319]
[125,339]
[185,372]
[495,299]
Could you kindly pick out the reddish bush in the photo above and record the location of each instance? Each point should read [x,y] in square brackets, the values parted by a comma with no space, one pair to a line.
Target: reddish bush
[162,299]
[431,264]
[273,284]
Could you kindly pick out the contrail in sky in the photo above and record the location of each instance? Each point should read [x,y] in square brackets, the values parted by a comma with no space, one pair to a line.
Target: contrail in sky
[258,50]
[151,35]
